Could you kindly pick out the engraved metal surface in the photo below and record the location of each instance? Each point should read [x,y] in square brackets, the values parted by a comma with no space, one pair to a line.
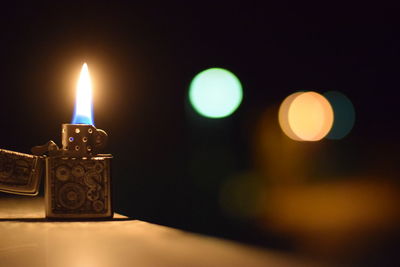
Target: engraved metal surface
[78,187]
[20,173]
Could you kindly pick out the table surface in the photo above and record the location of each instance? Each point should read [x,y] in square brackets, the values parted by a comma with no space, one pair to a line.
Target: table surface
[28,239]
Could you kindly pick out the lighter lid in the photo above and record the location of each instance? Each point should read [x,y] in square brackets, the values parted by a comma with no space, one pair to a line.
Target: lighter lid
[20,173]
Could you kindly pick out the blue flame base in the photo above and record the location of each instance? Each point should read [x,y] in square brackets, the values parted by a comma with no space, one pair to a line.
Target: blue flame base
[79,119]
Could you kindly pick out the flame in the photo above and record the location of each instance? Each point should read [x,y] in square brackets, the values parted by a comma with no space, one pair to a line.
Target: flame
[83,104]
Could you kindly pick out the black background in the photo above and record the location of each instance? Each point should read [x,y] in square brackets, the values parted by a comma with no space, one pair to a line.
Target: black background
[142,58]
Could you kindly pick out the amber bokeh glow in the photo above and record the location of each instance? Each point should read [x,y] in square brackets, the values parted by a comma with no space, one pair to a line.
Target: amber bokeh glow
[284,118]
[306,116]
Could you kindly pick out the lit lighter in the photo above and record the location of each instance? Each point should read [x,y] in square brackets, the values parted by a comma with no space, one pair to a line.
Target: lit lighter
[78,178]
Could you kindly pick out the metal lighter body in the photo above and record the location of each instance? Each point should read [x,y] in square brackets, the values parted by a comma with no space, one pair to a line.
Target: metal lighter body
[78,180]
[78,187]
[77,177]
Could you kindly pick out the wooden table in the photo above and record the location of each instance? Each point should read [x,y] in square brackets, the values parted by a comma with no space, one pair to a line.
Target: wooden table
[28,239]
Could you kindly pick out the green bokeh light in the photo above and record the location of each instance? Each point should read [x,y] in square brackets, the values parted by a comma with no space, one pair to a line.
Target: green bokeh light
[215,93]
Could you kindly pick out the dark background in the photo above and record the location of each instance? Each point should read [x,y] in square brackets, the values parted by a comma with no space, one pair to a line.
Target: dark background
[170,164]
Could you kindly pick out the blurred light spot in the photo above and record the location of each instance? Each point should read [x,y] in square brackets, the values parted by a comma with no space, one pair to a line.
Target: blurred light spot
[335,207]
[306,116]
[310,116]
[215,93]
[344,113]
[284,118]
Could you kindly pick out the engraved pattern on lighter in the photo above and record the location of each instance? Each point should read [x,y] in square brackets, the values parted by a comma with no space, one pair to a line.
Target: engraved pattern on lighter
[78,187]
[20,173]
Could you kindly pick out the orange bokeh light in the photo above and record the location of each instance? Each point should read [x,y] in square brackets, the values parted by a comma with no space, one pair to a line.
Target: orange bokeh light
[306,116]
[284,118]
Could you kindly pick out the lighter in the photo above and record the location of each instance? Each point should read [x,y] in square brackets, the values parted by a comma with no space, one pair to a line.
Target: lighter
[77,180]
